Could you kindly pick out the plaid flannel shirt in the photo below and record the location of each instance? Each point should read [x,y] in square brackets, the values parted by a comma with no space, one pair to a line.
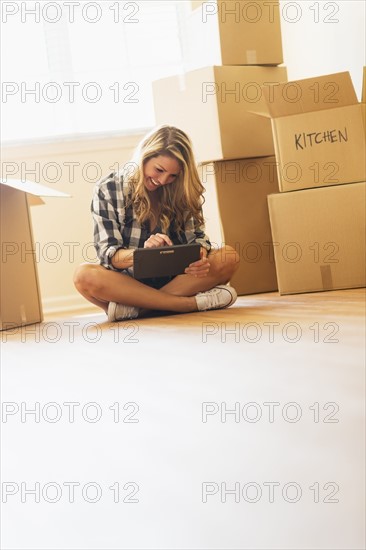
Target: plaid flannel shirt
[116,226]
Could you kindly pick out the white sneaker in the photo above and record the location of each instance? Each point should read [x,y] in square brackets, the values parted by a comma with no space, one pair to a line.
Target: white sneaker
[120,312]
[217,298]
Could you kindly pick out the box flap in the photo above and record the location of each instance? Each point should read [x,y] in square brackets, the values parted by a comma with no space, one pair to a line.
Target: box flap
[363,99]
[308,95]
[33,189]
[196,4]
[33,200]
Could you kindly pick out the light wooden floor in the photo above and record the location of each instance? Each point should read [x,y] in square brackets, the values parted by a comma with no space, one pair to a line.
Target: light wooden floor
[291,370]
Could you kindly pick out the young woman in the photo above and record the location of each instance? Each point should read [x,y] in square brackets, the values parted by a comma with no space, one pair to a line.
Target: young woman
[157,203]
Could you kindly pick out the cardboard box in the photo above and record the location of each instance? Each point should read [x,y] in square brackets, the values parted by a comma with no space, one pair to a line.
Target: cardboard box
[318,131]
[213,106]
[236,214]
[226,32]
[19,289]
[319,238]
[363,99]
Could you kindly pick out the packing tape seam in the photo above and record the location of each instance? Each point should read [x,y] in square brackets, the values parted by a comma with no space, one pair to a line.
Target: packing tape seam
[326,275]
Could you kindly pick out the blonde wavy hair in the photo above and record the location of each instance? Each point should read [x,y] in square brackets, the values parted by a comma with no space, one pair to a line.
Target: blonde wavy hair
[178,200]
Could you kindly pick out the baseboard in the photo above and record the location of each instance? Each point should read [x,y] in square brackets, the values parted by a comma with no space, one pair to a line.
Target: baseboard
[67,304]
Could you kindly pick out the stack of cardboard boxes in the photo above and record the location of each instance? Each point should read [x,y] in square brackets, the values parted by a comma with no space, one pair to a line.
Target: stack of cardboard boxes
[318,218]
[236,48]
[239,110]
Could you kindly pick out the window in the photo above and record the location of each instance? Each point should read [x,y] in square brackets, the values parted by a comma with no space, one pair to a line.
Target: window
[71,68]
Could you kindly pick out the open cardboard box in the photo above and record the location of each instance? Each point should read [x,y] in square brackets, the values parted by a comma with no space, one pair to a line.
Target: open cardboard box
[227,32]
[318,130]
[20,302]
[212,105]
[319,238]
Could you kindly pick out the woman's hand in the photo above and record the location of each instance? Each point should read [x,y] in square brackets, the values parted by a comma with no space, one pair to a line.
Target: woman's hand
[159,239]
[200,268]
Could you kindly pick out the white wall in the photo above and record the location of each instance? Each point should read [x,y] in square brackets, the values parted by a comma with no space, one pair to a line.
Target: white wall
[328,37]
